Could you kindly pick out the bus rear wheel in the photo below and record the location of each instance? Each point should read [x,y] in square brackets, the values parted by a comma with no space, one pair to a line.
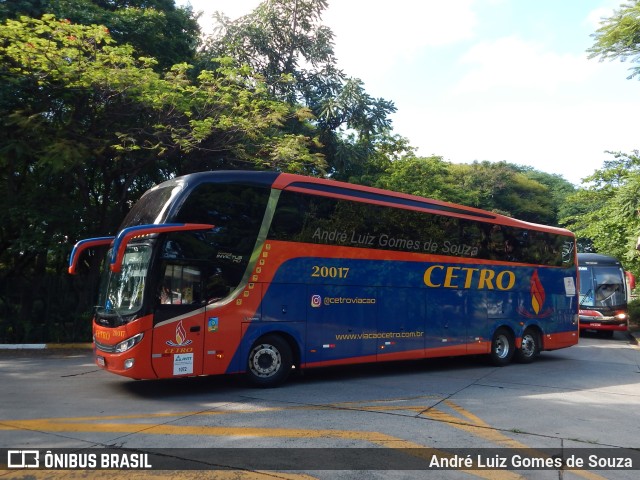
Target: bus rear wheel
[530,347]
[269,362]
[502,347]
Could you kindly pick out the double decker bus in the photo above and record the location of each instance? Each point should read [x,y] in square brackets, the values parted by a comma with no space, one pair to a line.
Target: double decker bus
[603,294]
[263,273]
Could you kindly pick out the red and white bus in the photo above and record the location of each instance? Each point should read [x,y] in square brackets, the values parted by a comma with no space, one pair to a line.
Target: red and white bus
[603,294]
[265,272]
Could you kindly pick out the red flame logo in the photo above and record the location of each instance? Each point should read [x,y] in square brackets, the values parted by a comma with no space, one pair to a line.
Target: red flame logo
[181,334]
[537,293]
[181,337]
[538,296]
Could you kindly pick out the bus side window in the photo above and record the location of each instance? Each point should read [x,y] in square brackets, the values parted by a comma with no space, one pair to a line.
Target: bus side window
[181,285]
[217,285]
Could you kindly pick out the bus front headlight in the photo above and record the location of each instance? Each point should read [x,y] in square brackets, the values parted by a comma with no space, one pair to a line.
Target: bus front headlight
[129,343]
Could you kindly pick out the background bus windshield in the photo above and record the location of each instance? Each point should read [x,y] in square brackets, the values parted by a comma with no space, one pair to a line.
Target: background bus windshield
[601,286]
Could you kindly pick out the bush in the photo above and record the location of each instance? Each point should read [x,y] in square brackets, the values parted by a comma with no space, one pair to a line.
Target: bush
[46,309]
[634,311]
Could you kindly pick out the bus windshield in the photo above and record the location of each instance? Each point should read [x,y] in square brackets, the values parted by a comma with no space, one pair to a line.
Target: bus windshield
[152,207]
[121,292]
[601,286]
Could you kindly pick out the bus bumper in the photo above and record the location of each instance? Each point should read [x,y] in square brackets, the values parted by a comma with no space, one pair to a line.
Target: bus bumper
[133,363]
[603,326]
[596,322]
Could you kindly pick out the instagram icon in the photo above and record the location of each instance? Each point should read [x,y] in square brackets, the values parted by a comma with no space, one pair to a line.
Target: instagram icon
[316,301]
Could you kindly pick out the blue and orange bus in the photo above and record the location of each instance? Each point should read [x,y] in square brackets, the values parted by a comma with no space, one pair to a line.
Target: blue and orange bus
[264,272]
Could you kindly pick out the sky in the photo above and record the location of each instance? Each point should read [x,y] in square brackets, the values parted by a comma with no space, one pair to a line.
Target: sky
[496,80]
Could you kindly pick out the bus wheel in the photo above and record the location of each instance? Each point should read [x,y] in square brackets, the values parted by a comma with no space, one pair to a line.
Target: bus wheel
[502,347]
[269,362]
[530,347]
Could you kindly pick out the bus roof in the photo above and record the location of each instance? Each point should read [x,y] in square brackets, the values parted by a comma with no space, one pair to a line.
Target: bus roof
[597,259]
[349,191]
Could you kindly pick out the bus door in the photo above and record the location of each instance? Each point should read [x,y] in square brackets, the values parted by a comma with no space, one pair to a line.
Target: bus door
[402,316]
[179,320]
[446,326]
[341,324]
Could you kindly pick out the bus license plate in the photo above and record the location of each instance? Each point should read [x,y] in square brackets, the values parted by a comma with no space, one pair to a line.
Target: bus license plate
[100,361]
[595,324]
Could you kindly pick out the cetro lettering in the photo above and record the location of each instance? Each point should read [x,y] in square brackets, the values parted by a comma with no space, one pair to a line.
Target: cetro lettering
[178,350]
[439,276]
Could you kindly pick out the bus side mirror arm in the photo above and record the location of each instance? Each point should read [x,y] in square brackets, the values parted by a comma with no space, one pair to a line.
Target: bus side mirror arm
[83,245]
[122,239]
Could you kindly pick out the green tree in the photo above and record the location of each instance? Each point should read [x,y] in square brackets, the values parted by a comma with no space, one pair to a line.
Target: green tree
[423,176]
[87,124]
[155,28]
[619,36]
[605,215]
[519,192]
[275,39]
[286,43]
[374,163]
[558,187]
[17,8]
[504,188]
[607,207]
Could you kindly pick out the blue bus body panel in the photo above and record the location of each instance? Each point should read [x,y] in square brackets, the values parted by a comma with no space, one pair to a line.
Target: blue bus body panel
[342,310]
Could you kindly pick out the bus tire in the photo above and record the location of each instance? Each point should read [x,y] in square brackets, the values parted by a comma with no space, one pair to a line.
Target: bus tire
[269,363]
[530,347]
[503,347]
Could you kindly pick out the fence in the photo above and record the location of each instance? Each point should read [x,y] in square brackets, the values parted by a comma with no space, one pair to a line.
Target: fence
[48,309]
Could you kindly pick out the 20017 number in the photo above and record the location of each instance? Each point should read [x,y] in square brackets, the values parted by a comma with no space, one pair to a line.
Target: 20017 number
[329,272]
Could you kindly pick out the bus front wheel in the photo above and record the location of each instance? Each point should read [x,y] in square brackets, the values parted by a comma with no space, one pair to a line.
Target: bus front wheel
[502,347]
[269,362]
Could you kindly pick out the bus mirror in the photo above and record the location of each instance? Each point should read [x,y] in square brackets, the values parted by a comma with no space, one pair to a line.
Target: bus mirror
[631,280]
[122,239]
[83,245]
[638,244]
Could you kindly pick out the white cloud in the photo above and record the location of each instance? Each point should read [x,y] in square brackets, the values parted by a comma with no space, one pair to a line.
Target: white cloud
[566,139]
[513,62]
[596,16]
[371,35]
[231,8]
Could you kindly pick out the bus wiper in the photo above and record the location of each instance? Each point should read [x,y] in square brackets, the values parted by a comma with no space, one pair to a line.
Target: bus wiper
[110,314]
[585,296]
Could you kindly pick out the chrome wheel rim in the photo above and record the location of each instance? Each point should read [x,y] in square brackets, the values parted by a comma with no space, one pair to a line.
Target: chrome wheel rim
[501,347]
[265,360]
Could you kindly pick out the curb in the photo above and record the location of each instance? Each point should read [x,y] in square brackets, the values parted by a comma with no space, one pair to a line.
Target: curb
[45,346]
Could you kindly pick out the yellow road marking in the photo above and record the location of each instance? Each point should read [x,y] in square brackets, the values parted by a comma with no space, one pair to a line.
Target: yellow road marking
[466,421]
[376,438]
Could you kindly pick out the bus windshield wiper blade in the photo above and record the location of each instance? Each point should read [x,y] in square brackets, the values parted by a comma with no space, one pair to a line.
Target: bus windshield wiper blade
[585,296]
[110,313]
